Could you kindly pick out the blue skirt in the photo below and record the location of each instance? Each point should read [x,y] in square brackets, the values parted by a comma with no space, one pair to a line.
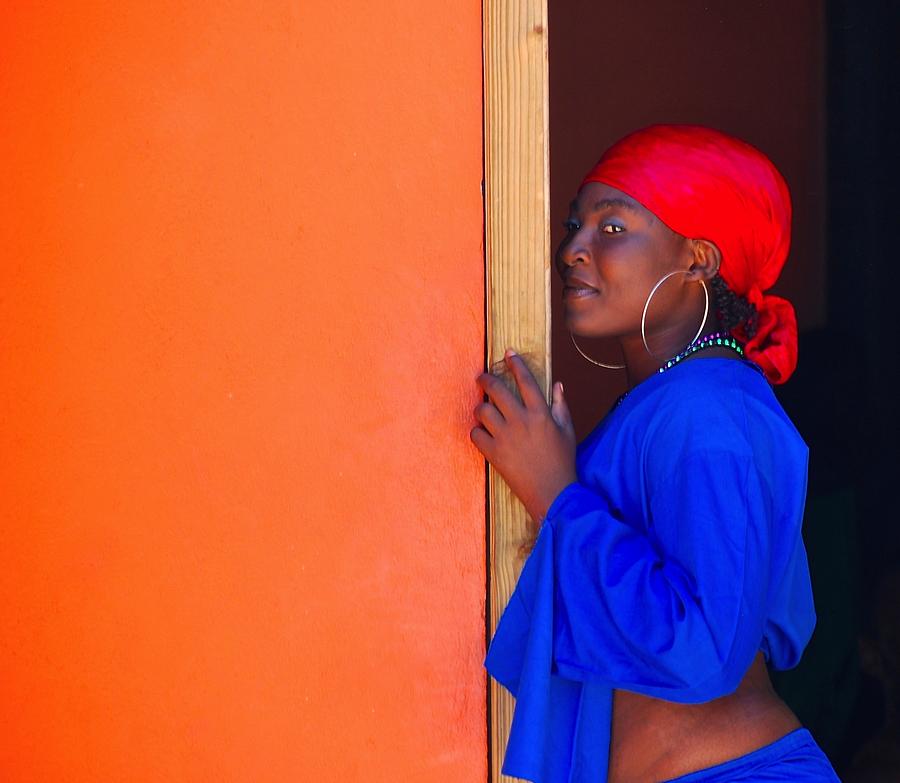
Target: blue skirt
[794,758]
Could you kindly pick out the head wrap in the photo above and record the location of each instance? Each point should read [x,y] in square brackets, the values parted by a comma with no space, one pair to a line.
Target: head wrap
[705,184]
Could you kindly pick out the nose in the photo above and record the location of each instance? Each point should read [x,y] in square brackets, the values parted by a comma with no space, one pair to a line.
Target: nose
[571,251]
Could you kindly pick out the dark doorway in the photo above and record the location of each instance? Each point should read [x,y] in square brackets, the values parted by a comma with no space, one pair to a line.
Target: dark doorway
[814,85]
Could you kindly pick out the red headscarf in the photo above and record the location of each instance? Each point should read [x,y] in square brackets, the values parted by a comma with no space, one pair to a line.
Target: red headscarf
[705,184]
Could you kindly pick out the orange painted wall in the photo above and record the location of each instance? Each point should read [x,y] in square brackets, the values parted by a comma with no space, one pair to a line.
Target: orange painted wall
[241,315]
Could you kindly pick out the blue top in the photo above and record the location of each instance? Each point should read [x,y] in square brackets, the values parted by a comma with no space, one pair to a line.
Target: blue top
[674,558]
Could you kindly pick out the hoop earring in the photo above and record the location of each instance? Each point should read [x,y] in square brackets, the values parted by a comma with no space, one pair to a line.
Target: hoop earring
[647,305]
[601,364]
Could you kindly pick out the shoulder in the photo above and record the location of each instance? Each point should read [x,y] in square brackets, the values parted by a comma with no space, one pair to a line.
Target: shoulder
[719,407]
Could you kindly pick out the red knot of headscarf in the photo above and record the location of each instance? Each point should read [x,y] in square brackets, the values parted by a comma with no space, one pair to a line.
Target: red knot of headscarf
[705,184]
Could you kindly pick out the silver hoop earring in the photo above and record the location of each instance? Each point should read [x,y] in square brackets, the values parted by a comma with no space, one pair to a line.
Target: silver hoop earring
[601,364]
[647,305]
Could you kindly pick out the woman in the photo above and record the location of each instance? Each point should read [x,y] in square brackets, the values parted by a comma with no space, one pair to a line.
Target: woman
[669,565]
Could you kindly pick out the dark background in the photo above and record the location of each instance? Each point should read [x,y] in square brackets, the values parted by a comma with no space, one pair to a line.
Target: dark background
[814,85]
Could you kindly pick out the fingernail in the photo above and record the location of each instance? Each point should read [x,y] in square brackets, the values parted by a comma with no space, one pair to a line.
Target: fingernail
[561,390]
[510,352]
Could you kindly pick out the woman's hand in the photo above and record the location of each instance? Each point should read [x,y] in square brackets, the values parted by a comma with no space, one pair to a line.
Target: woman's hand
[530,445]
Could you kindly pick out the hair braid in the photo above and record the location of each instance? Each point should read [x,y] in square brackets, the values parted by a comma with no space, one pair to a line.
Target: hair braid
[733,309]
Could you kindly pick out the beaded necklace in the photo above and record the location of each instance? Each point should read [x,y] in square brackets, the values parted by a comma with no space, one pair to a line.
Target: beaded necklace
[709,341]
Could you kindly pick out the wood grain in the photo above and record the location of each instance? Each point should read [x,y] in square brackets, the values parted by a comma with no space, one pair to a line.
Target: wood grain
[517,245]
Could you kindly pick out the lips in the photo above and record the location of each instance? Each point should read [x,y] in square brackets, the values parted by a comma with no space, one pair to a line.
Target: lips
[577,287]
[578,284]
[571,294]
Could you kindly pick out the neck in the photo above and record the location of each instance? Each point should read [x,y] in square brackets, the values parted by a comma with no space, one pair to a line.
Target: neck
[639,365]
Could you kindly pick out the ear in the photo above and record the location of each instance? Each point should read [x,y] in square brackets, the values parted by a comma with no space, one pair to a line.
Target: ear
[706,259]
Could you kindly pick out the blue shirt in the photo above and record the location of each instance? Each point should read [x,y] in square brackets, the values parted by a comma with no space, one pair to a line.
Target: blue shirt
[673,558]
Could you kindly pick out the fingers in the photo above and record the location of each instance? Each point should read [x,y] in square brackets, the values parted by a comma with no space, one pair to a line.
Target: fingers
[483,442]
[531,393]
[500,394]
[560,408]
[491,419]
[504,398]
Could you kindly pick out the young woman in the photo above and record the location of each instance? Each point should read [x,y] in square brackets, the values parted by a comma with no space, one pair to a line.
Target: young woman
[669,565]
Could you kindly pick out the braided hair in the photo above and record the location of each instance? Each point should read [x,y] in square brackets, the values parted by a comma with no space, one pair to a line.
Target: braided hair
[733,309]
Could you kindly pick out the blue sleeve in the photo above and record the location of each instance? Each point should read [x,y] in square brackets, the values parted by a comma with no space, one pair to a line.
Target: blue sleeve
[674,608]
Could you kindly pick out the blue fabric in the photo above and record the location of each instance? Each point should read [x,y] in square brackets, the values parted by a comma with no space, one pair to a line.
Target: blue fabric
[793,758]
[674,558]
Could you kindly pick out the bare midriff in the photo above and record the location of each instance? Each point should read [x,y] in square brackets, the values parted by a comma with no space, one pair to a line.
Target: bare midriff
[655,740]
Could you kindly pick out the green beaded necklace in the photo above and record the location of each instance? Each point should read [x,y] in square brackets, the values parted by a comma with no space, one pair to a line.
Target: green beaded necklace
[711,340]
[723,339]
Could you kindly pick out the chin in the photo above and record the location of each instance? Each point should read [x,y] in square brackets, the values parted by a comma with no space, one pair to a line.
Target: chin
[581,326]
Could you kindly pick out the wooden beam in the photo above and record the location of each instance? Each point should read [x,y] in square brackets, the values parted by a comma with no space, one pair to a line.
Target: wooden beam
[517,254]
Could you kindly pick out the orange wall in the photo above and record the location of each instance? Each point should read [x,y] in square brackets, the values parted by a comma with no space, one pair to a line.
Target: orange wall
[242,313]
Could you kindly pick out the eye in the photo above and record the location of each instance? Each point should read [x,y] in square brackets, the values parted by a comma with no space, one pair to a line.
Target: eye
[570,225]
[612,225]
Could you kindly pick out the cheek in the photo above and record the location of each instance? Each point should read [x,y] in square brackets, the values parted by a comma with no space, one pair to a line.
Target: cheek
[631,271]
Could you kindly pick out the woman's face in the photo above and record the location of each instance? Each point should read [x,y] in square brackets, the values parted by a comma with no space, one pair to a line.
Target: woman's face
[620,249]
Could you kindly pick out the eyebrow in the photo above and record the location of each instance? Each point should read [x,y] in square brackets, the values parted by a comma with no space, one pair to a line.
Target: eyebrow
[620,202]
[610,202]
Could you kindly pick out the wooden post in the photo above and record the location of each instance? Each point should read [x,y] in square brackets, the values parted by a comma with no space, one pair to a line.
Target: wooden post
[517,237]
